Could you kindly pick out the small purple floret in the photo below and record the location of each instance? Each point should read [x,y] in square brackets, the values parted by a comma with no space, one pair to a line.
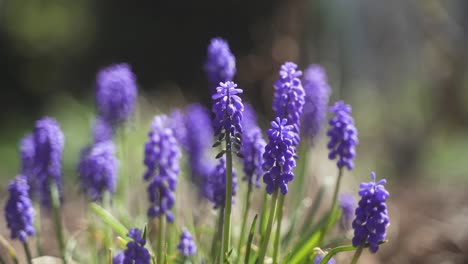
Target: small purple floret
[186,245]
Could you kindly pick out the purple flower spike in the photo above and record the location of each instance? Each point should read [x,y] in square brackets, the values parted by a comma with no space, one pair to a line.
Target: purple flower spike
[279,157]
[347,204]
[118,258]
[372,219]
[177,124]
[19,212]
[220,63]
[288,100]
[343,136]
[116,93]
[228,110]
[162,156]
[186,245]
[98,170]
[27,152]
[216,186]
[319,258]
[136,251]
[199,141]
[317,93]
[48,144]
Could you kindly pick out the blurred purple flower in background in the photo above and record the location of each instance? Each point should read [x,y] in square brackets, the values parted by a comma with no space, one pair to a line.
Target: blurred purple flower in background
[319,258]
[317,93]
[216,185]
[347,203]
[253,146]
[19,212]
[27,152]
[102,130]
[220,65]
[186,245]
[116,93]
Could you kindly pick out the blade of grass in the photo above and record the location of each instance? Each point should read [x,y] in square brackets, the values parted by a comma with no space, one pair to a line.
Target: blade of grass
[250,239]
[108,218]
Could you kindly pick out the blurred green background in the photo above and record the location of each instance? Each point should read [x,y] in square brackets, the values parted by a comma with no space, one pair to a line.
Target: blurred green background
[401,65]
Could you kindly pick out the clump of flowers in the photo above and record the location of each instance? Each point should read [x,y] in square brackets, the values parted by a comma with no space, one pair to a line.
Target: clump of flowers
[279,161]
[347,204]
[136,251]
[252,149]
[27,153]
[343,136]
[216,186]
[98,169]
[288,100]
[48,145]
[317,93]
[116,93]
[162,162]
[220,63]
[102,130]
[19,212]
[186,245]
[372,219]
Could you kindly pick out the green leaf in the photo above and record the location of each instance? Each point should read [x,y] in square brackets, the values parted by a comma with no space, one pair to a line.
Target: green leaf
[336,250]
[305,250]
[250,239]
[109,219]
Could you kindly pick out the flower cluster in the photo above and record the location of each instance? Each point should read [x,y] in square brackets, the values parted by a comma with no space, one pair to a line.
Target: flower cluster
[162,156]
[343,136]
[319,258]
[98,169]
[220,63]
[288,100]
[317,92]
[116,92]
[102,130]
[252,149]
[216,186]
[177,125]
[186,245]
[372,218]
[48,145]
[228,110]
[27,152]
[19,212]
[135,251]
[279,157]
[347,204]
[199,141]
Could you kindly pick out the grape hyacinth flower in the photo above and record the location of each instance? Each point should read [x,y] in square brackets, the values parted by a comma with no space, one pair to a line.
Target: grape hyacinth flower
[343,136]
[116,93]
[199,141]
[19,212]
[289,98]
[98,170]
[162,156]
[48,145]
[372,218]
[220,63]
[319,258]
[317,93]
[136,251]
[102,130]
[228,110]
[177,124]
[279,161]
[217,184]
[27,152]
[347,204]
[186,245]
[118,258]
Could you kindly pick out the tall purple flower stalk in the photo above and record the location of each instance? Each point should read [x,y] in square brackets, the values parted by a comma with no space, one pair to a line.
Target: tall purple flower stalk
[186,245]
[252,149]
[228,110]
[135,251]
[343,136]
[162,156]
[317,93]
[27,153]
[177,124]
[19,212]
[372,219]
[220,65]
[116,93]
[216,187]
[48,145]
[198,143]
[98,170]
[288,100]
[279,161]
[347,204]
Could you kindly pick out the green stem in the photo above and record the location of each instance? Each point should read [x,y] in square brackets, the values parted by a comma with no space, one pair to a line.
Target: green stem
[263,217]
[28,252]
[218,236]
[244,221]
[58,220]
[271,218]
[276,251]
[357,254]
[161,241]
[38,230]
[329,224]
[228,201]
